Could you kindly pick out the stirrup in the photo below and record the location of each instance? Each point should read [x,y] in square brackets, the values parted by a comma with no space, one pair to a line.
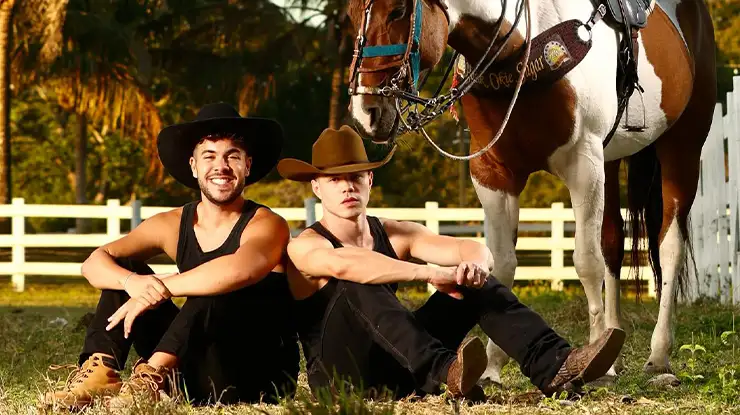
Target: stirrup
[636,128]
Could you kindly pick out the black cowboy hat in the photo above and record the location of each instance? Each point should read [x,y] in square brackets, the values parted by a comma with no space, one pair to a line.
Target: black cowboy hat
[262,137]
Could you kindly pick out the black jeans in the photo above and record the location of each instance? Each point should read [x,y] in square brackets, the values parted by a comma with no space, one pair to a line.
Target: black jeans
[228,348]
[371,338]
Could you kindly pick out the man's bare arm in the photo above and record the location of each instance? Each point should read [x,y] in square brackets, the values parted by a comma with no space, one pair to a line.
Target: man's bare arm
[315,257]
[142,243]
[441,250]
[262,247]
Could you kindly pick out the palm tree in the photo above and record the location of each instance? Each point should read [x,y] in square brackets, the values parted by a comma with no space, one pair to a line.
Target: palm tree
[37,20]
[100,77]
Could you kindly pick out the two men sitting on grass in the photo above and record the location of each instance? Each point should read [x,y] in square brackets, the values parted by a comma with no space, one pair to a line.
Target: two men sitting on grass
[251,291]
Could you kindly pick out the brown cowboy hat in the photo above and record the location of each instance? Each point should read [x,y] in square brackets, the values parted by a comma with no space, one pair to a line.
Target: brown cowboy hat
[335,152]
[262,137]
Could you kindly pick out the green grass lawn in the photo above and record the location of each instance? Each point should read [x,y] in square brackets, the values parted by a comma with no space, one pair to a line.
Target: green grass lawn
[44,325]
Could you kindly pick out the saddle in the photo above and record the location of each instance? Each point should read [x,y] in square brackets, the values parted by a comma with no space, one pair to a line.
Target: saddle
[636,12]
[627,17]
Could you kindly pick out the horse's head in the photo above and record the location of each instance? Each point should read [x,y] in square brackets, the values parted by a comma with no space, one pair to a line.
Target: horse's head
[396,40]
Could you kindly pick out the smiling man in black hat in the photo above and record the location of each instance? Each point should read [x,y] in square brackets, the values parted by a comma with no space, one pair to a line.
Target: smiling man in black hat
[344,272]
[232,339]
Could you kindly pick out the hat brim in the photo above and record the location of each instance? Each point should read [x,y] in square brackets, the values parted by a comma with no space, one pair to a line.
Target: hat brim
[263,139]
[300,171]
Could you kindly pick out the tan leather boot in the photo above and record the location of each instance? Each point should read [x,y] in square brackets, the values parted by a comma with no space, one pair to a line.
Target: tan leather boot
[93,378]
[588,363]
[467,368]
[146,384]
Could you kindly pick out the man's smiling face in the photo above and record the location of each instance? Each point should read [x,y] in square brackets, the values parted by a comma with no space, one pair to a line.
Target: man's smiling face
[221,165]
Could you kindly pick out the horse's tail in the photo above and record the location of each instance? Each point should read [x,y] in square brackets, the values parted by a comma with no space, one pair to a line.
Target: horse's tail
[645,210]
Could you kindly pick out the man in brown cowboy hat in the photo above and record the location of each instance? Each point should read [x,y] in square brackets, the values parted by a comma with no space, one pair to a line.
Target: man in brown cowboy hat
[344,272]
[232,339]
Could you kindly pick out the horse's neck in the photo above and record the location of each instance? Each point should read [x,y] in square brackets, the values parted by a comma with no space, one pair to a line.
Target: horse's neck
[472,21]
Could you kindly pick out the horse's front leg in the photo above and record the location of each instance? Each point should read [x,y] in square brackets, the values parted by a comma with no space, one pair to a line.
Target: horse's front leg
[502,214]
[582,169]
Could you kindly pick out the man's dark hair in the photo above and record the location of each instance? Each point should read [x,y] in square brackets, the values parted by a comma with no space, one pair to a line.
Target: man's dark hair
[237,139]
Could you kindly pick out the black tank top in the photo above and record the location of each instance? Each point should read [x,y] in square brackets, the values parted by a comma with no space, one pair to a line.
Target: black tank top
[271,292]
[310,311]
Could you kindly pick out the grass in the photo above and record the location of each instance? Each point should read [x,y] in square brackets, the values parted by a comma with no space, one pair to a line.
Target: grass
[45,325]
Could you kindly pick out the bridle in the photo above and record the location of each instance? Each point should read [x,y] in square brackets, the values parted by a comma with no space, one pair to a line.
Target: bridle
[415,111]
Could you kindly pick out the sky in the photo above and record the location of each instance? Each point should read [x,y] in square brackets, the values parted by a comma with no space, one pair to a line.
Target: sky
[297,14]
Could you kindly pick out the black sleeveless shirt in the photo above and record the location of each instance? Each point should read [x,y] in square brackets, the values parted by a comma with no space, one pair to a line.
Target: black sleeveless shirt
[310,312]
[272,292]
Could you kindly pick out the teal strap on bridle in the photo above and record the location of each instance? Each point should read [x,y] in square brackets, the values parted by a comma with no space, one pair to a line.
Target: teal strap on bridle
[400,48]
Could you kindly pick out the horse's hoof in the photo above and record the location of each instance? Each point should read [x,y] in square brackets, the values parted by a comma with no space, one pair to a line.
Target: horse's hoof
[657,369]
[605,381]
[618,366]
[664,381]
[486,383]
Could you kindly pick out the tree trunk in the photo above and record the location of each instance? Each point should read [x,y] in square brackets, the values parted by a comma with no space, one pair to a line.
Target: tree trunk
[83,225]
[338,34]
[337,81]
[6,15]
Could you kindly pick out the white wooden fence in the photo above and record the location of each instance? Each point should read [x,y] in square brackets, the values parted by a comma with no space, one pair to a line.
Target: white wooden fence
[715,223]
[715,217]
[557,243]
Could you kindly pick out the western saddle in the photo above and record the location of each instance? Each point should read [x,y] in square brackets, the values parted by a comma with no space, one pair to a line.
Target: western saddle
[626,17]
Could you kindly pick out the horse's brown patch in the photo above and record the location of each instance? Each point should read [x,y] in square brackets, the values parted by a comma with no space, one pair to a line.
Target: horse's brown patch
[542,120]
[675,70]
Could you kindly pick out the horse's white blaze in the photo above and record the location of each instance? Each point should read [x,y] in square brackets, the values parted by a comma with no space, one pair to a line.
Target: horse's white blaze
[358,112]
[502,210]
[672,253]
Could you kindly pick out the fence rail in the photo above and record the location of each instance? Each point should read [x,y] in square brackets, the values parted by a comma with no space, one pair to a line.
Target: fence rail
[554,219]
[715,215]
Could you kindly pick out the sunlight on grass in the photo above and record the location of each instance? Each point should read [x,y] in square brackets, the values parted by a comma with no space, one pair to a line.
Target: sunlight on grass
[46,325]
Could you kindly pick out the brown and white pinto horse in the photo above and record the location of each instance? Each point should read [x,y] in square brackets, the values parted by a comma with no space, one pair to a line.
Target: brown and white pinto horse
[561,129]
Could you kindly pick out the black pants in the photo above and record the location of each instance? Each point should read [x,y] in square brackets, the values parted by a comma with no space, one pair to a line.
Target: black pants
[228,348]
[371,338]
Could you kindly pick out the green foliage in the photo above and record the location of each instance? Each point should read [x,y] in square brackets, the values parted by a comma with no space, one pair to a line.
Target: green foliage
[258,55]
[35,335]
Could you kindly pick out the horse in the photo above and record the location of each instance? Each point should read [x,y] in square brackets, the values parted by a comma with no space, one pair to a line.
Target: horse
[565,125]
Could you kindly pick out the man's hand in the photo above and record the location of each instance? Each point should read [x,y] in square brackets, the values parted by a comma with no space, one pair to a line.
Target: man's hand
[471,274]
[128,313]
[147,289]
[444,280]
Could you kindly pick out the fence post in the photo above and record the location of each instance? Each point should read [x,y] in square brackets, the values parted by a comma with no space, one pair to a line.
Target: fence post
[431,222]
[18,229]
[733,136]
[557,236]
[135,213]
[432,218]
[310,205]
[113,223]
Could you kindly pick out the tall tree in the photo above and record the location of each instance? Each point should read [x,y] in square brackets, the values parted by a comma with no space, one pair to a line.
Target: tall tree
[6,14]
[41,21]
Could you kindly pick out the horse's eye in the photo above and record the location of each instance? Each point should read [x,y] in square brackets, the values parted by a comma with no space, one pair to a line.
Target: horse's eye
[396,14]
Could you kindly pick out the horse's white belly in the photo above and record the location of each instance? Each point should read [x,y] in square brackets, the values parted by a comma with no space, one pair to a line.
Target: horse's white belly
[595,84]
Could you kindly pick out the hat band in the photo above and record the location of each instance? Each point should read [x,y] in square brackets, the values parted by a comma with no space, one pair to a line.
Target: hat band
[341,164]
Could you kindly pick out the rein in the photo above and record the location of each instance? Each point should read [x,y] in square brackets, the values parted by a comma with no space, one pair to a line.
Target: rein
[414,119]
[415,111]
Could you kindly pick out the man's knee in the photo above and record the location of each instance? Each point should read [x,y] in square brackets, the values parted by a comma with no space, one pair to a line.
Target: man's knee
[204,303]
[493,290]
[357,291]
